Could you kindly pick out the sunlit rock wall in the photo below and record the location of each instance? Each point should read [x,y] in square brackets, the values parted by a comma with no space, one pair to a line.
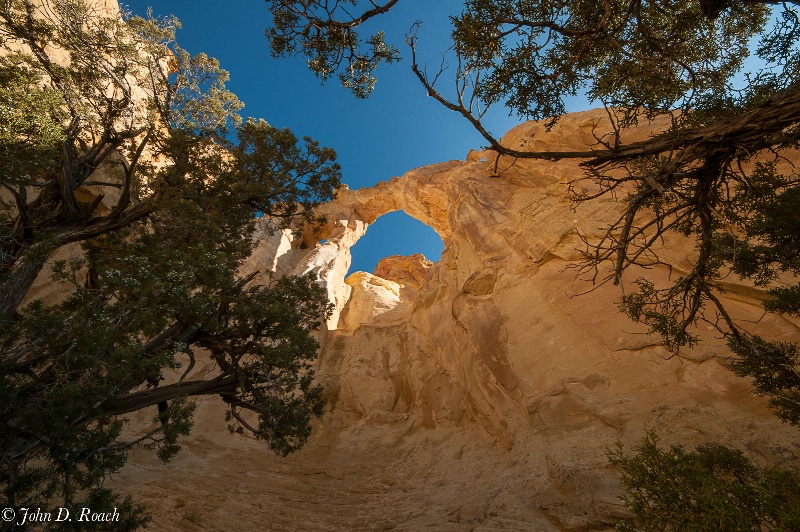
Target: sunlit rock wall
[503,339]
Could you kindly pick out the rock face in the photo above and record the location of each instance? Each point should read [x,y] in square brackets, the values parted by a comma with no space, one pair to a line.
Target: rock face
[479,392]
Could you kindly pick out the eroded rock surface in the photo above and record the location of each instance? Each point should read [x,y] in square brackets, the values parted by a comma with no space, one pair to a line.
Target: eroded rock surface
[482,391]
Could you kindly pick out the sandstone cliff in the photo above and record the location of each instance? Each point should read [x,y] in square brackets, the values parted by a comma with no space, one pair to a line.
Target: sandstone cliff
[479,392]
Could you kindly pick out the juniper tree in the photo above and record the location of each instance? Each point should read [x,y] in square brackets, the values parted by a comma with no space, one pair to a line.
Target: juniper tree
[711,488]
[115,137]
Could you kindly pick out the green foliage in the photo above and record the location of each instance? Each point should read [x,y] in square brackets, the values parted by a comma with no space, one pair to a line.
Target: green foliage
[176,421]
[654,56]
[712,488]
[765,240]
[643,58]
[664,314]
[267,156]
[785,300]
[148,125]
[331,46]
[31,117]
[773,368]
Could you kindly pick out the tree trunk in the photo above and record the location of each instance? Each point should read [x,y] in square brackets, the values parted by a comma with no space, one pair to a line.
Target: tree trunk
[18,279]
[138,400]
[754,130]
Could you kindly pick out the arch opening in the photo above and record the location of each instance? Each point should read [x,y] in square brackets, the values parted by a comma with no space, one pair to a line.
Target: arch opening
[395,233]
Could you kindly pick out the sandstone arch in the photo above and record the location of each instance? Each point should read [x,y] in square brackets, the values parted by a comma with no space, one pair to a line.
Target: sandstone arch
[488,394]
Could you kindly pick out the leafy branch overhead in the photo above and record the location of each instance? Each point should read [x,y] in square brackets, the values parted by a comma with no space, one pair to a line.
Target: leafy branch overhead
[325,33]
[116,138]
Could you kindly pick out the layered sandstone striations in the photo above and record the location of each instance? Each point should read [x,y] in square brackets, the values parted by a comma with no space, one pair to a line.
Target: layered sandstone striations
[479,392]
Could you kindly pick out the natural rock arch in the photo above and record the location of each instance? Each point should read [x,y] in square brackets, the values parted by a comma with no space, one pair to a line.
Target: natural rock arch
[495,345]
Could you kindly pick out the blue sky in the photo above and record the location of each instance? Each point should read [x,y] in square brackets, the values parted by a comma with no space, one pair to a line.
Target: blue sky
[398,128]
